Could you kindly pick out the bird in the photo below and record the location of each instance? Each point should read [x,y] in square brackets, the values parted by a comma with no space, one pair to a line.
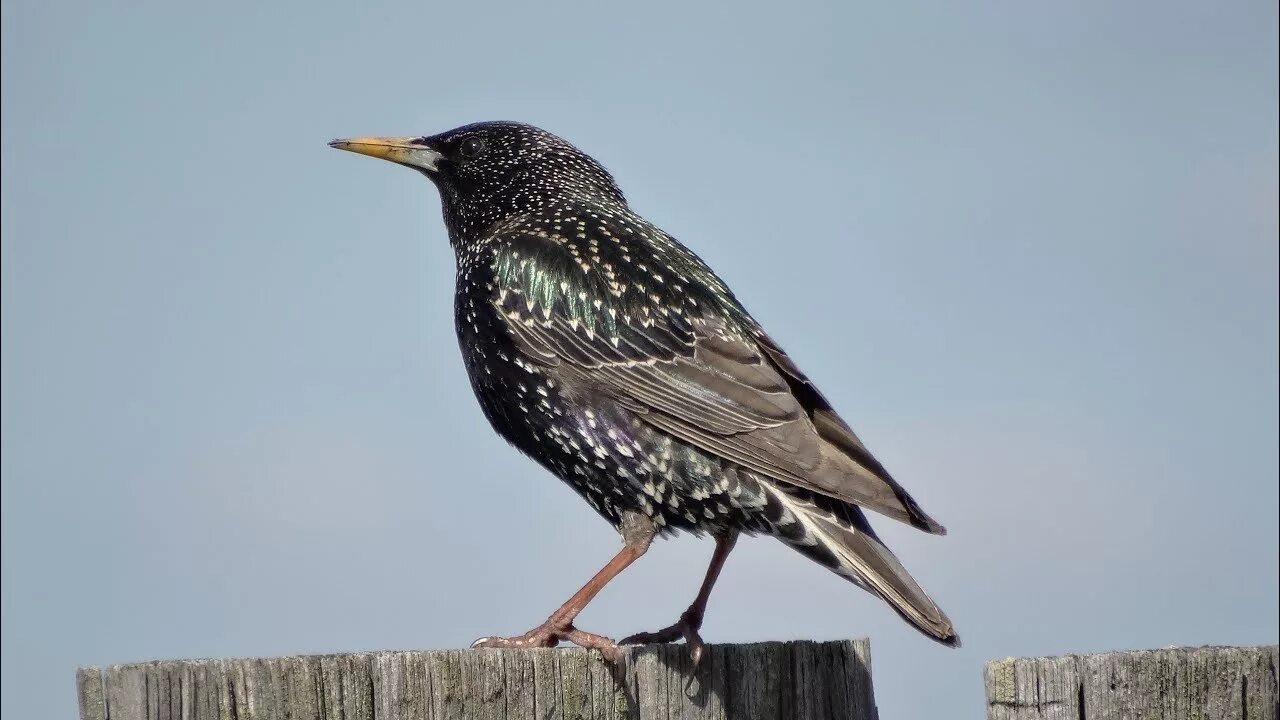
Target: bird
[615,357]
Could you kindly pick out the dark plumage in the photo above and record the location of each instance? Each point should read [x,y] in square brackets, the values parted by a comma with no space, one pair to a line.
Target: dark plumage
[611,354]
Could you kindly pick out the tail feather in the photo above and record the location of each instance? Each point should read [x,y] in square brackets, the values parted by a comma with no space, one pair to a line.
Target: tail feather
[838,536]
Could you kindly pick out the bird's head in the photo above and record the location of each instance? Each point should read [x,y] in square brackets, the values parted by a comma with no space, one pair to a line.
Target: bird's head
[491,171]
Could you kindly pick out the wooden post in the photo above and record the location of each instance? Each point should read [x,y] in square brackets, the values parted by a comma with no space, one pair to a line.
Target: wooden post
[764,681]
[1218,683]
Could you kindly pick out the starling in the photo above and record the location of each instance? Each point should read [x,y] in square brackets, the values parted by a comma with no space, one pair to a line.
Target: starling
[616,358]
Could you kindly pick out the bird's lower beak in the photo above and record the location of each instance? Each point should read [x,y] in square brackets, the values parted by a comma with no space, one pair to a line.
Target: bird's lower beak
[403,150]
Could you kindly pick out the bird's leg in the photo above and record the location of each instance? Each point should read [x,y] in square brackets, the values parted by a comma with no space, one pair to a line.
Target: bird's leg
[559,626]
[691,619]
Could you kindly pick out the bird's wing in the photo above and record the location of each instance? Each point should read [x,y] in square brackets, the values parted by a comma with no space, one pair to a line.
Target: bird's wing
[669,352]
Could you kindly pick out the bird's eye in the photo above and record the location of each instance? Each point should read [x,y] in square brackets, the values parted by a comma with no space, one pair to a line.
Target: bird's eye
[471,148]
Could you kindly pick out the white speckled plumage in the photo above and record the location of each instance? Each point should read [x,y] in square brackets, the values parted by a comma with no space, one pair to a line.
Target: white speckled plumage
[610,353]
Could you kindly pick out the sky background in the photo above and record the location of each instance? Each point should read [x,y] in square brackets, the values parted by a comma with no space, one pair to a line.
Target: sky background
[1029,250]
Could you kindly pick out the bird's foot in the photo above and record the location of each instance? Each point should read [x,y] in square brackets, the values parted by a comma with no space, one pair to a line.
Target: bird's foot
[548,635]
[685,628]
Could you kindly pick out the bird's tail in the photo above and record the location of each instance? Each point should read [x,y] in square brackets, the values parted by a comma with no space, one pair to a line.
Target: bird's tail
[837,536]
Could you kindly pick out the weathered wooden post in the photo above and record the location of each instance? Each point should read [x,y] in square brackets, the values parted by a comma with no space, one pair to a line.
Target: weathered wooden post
[1207,683]
[762,681]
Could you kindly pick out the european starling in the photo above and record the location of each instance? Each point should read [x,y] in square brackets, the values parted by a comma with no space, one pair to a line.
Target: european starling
[613,356]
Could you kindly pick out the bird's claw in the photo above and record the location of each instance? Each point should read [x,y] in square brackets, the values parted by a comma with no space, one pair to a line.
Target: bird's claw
[549,636]
[528,640]
[685,628]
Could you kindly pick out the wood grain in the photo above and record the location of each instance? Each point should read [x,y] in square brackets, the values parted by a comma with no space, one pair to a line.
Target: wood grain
[1205,683]
[800,680]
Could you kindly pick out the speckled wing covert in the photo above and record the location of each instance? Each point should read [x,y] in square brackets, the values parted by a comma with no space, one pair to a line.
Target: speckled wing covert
[647,323]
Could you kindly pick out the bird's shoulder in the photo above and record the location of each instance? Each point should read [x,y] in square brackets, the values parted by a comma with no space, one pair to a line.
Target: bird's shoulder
[610,279]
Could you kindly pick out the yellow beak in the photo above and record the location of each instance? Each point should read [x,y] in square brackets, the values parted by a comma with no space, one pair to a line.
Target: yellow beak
[402,150]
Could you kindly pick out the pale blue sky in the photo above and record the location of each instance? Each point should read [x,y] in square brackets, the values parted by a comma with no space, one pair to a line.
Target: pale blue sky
[1028,249]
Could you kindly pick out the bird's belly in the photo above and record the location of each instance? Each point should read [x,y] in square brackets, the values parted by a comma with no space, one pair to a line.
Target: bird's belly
[613,459]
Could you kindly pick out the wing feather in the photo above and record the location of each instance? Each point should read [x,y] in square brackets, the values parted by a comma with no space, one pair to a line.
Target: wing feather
[687,366]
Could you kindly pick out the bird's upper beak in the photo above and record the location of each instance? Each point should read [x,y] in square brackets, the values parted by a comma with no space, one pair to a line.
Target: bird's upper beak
[403,150]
